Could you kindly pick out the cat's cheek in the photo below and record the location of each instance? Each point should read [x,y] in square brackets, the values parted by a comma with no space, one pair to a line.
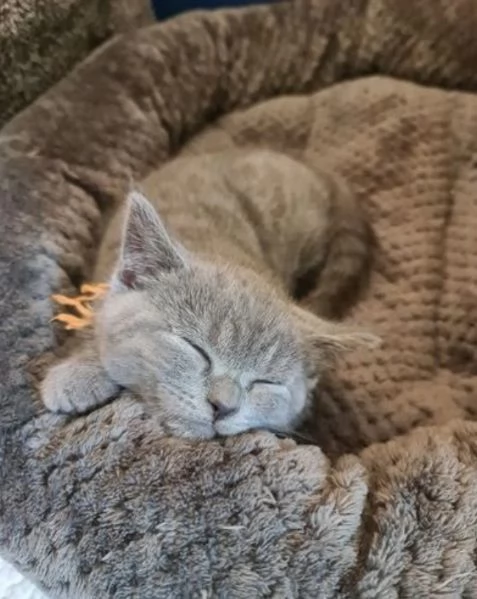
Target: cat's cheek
[231,426]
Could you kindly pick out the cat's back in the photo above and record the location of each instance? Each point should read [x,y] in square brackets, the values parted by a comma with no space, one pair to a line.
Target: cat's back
[241,184]
[265,172]
[231,193]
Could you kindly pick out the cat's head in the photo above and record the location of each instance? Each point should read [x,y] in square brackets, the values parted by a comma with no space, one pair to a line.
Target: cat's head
[210,347]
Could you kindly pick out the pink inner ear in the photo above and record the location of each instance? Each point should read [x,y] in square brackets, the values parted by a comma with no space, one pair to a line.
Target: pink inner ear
[128,278]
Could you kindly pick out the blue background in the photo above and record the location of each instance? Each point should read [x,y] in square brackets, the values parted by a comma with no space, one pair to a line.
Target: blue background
[168,8]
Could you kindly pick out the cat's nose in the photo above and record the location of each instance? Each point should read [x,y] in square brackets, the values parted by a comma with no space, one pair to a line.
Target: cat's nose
[224,397]
[221,409]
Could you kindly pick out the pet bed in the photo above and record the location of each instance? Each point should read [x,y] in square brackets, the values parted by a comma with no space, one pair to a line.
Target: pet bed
[385,503]
[40,40]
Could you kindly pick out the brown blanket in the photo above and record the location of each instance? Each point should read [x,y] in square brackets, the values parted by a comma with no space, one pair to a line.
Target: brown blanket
[40,40]
[105,505]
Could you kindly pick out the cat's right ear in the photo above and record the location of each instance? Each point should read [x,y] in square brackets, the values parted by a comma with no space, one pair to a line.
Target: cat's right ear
[324,341]
[147,249]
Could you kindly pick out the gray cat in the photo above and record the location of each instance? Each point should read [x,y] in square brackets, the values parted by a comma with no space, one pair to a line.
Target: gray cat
[199,320]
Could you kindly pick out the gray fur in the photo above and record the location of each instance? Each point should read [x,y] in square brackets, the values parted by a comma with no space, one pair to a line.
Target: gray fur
[105,505]
[206,332]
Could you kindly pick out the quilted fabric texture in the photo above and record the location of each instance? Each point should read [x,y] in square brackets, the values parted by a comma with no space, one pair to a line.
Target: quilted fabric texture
[41,39]
[385,504]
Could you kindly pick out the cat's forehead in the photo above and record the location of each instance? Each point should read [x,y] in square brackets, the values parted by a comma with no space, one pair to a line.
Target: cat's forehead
[241,322]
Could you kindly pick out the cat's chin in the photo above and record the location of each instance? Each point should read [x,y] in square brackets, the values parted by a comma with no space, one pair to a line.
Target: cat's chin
[203,431]
[193,430]
[229,427]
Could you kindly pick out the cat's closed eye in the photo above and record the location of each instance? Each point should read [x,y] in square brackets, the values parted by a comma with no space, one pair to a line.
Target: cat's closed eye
[263,382]
[204,355]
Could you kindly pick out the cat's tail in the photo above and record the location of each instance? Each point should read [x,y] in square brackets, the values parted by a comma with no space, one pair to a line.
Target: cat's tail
[348,254]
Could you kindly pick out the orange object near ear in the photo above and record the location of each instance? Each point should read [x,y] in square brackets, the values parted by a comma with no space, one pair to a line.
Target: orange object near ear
[94,291]
[71,322]
[80,305]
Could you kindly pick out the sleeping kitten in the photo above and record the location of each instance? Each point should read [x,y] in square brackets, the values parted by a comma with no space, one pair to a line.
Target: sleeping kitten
[199,321]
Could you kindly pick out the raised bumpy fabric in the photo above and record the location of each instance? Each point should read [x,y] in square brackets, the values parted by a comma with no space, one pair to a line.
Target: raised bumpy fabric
[40,40]
[385,503]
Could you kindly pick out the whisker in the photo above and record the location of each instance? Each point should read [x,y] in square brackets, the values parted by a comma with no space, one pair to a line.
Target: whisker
[295,435]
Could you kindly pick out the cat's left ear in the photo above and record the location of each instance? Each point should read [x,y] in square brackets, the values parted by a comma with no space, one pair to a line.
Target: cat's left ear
[147,248]
[325,341]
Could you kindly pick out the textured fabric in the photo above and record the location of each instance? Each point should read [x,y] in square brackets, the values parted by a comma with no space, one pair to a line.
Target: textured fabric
[41,39]
[385,504]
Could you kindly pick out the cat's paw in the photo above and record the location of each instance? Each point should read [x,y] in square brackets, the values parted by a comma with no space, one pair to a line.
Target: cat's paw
[77,385]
